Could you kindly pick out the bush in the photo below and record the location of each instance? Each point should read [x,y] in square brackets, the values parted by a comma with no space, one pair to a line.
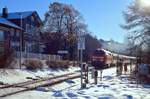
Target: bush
[33,64]
[73,63]
[58,64]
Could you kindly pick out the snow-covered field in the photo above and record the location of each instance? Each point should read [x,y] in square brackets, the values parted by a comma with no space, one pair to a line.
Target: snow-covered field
[11,76]
[111,87]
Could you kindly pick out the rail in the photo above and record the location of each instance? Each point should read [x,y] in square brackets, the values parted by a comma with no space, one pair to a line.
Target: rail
[31,85]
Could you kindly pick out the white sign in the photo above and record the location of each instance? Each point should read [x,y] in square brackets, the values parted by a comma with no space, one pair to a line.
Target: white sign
[81,43]
[62,52]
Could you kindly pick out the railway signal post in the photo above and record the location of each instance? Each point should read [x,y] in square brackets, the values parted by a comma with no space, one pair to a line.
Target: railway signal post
[85,72]
[95,76]
[101,76]
[117,69]
[130,66]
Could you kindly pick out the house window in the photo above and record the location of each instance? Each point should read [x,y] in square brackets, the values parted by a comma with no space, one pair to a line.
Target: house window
[15,45]
[27,27]
[1,39]
[32,27]
[17,33]
[12,32]
[32,18]
[1,35]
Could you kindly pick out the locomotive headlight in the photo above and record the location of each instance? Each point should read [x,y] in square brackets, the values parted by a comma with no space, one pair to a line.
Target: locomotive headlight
[93,59]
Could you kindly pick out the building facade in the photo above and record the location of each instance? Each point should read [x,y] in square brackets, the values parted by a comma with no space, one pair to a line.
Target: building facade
[30,23]
[7,29]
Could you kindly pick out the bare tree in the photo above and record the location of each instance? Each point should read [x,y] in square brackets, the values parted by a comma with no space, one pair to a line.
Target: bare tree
[137,23]
[66,22]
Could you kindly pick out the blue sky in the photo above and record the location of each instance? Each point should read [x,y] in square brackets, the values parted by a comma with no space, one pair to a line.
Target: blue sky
[103,17]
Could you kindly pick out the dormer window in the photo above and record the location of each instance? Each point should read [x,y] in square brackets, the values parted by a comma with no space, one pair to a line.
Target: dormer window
[32,18]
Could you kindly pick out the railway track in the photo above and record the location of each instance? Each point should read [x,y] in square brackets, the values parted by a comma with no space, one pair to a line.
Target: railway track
[12,89]
[8,90]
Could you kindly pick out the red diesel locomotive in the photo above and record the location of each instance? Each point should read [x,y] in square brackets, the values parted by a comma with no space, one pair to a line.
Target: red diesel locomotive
[102,58]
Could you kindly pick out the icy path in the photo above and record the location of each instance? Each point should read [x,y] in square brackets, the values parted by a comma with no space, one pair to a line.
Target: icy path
[111,87]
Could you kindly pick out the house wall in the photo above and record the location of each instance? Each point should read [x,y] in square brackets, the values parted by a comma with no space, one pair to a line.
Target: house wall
[31,23]
[12,35]
[15,38]
[5,42]
[28,24]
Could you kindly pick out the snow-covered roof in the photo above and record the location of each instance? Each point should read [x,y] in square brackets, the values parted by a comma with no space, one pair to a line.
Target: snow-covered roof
[6,22]
[18,15]
[107,52]
[118,55]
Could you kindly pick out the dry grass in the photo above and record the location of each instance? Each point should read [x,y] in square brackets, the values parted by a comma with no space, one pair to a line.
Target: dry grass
[33,64]
[58,64]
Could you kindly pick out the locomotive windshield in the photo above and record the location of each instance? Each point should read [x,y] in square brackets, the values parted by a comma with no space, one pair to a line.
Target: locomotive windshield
[98,59]
[99,53]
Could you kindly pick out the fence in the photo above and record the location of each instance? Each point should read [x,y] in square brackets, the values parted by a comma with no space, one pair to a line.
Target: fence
[38,56]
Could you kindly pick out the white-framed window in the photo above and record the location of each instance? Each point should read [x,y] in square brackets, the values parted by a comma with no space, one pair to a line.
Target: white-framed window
[31,28]
[17,33]
[15,43]
[12,32]
[32,18]
[27,27]
[1,35]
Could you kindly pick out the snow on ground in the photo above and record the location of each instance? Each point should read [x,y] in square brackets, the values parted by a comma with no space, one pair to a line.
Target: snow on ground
[111,87]
[11,76]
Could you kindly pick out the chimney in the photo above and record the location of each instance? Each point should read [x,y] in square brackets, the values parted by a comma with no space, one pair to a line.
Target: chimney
[5,12]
